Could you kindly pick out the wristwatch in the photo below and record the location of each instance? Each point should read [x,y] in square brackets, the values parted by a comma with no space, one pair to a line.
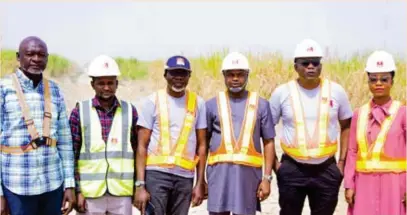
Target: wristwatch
[268,177]
[140,183]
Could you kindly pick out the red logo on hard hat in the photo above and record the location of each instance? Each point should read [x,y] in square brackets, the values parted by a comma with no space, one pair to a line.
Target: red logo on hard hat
[106,65]
[379,63]
[310,49]
[235,61]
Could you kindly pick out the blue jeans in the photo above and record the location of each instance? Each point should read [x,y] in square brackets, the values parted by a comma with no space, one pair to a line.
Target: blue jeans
[44,204]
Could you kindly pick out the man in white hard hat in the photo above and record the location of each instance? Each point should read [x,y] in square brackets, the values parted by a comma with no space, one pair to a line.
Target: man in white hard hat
[36,156]
[375,180]
[239,121]
[311,107]
[172,144]
[104,135]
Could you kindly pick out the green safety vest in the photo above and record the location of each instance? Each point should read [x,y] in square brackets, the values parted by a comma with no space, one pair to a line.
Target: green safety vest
[106,166]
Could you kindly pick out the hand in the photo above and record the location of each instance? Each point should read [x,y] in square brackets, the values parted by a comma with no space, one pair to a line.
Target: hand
[263,191]
[198,194]
[140,199]
[341,165]
[69,198]
[350,196]
[81,203]
[4,210]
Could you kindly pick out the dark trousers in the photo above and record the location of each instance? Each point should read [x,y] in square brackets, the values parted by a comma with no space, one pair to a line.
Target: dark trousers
[170,194]
[221,213]
[44,204]
[319,182]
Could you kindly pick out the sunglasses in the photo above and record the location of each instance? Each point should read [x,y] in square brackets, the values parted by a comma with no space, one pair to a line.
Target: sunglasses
[382,79]
[308,62]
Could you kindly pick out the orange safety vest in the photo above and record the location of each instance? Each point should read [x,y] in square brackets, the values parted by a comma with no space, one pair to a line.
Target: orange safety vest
[239,151]
[374,159]
[177,156]
[303,147]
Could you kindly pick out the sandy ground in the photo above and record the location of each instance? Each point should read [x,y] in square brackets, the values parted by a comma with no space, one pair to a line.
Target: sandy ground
[270,206]
[76,89]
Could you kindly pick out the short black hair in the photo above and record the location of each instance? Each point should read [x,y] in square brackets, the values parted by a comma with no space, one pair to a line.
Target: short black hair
[392,73]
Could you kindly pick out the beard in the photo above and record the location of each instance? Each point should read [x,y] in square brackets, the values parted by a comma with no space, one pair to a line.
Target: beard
[238,89]
[178,90]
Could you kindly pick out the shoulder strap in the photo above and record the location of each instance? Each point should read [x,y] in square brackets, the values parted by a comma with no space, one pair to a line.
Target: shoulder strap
[24,109]
[47,109]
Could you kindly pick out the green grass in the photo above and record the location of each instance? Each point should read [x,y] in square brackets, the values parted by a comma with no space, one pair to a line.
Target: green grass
[271,69]
[268,71]
[57,65]
[132,68]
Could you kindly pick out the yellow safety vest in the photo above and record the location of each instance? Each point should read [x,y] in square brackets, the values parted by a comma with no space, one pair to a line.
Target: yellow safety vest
[168,157]
[301,145]
[104,165]
[239,151]
[374,159]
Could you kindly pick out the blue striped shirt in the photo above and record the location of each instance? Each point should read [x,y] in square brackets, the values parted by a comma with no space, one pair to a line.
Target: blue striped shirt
[46,168]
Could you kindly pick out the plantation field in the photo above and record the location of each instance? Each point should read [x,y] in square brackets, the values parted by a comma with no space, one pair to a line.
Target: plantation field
[268,71]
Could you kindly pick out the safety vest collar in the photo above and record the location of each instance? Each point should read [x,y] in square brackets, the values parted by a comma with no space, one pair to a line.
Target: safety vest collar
[106,165]
[168,154]
[87,110]
[241,150]
[373,159]
[303,146]
[246,130]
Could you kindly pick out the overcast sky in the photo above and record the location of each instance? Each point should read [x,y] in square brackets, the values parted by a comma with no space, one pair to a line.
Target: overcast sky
[158,29]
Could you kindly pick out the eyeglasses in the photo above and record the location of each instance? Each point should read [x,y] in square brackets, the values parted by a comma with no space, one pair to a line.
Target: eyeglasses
[313,62]
[374,79]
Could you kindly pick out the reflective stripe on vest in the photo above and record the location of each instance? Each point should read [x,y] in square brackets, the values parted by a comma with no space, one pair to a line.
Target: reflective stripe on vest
[108,165]
[241,151]
[374,159]
[303,147]
[177,156]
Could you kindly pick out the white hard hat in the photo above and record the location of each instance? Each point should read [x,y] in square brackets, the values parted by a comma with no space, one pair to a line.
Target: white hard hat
[380,61]
[103,65]
[308,48]
[235,60]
